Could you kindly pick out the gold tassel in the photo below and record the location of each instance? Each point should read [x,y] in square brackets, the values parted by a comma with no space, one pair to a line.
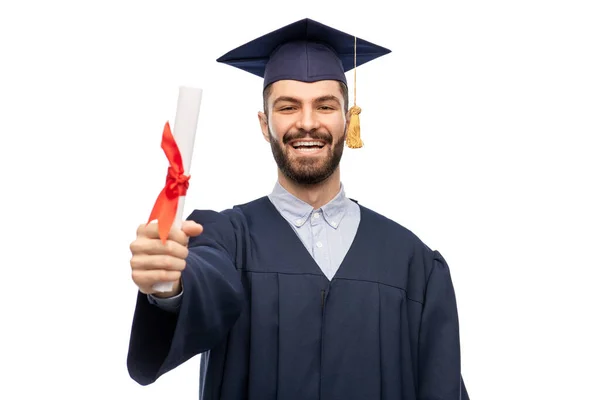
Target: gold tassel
[353,139]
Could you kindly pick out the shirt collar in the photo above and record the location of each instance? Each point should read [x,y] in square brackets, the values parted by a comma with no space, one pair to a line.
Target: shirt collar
[297,212]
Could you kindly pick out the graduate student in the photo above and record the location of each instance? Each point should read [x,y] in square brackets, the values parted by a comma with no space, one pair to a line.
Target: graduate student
[302,294]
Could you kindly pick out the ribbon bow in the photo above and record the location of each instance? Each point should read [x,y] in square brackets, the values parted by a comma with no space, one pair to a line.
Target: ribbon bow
[165,207]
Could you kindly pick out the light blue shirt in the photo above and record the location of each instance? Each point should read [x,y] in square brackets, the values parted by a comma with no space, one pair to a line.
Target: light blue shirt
[326,232]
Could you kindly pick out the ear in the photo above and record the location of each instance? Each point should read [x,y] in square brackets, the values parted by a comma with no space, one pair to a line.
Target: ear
[264,125]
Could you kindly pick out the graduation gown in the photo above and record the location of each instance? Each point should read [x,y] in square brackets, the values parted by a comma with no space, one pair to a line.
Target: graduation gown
[271,326]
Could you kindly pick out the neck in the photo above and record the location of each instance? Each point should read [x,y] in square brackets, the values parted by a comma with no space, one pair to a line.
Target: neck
[316,195]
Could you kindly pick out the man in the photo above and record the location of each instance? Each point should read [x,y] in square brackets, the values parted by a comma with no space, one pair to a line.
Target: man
[302,294]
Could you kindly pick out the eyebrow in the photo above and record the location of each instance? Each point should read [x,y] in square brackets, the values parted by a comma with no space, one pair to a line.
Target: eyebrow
[328,98]
[296,101]
[286,98]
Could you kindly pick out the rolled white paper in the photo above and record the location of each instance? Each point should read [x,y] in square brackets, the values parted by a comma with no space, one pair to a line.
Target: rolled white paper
[184,133]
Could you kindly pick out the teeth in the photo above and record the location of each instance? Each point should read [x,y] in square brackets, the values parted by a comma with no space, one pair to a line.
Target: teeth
[298,144]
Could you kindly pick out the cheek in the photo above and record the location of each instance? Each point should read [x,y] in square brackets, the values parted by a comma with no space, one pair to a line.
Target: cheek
[279,127]
[337,126]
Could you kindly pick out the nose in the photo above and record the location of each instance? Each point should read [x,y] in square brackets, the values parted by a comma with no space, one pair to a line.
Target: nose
[308,121]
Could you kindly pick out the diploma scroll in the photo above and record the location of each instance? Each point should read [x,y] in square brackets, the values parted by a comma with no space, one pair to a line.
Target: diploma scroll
[184,133]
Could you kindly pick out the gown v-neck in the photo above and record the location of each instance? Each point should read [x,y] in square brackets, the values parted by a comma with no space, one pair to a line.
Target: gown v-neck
[288,241]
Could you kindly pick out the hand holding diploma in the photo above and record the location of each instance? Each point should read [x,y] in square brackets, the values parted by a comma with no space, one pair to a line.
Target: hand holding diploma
[154,262]
[160,248]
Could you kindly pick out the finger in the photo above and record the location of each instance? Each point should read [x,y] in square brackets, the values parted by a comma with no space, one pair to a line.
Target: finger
[145,280]
[157,262]
[151,231]
[155,246]
[192,228]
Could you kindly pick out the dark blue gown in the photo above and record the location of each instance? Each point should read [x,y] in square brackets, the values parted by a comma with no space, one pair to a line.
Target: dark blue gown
[272,326]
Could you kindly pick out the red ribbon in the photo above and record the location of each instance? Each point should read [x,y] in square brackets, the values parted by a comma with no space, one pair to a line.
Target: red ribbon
[165,207]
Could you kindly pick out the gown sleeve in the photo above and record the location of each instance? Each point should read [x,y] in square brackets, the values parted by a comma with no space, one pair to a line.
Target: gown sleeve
[440,376]
[161,340]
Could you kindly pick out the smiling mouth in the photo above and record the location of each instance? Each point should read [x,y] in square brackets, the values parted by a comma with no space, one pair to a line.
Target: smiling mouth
[308,145]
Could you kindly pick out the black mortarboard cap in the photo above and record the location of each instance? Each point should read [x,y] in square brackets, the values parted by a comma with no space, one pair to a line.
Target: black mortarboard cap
[305,50]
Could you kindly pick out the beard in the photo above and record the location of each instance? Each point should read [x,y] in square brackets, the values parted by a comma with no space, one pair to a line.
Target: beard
[307,170]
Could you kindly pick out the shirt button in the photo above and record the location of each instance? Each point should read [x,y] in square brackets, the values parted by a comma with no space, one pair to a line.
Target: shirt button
[334,224]
[316,215]
[319,244]
[298,222]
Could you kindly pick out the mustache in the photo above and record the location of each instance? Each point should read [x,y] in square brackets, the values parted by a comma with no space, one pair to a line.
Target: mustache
[302,134]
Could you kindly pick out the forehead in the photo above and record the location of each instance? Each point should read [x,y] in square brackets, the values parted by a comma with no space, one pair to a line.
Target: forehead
[305,90]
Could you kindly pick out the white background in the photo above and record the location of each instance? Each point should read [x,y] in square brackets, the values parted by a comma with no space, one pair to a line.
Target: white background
[481,132]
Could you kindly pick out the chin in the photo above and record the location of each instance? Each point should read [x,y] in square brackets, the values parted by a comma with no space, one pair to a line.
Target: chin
[304,175]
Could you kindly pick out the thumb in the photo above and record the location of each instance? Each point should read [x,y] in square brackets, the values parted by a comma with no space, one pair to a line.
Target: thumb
[191,228]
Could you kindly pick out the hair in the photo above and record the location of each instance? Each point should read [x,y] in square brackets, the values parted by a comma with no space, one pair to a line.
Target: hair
[267,93]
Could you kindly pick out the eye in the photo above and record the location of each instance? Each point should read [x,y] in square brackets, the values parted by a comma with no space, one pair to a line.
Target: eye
[287,108]
[326,107]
